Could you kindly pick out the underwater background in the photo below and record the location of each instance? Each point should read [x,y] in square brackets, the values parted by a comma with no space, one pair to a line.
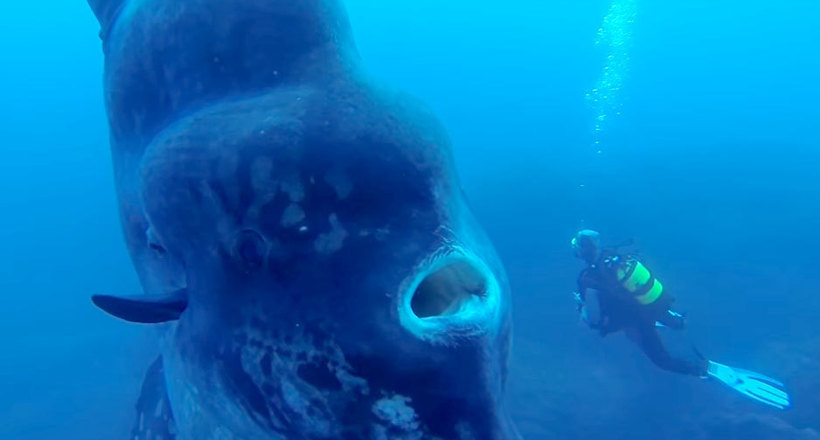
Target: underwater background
[708,159]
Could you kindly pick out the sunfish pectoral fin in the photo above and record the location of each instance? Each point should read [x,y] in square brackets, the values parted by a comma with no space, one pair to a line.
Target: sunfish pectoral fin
[144,309]
[155,419]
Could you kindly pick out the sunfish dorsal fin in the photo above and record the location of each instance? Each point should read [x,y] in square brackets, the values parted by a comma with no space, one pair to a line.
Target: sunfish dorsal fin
[144,309]
[106,12]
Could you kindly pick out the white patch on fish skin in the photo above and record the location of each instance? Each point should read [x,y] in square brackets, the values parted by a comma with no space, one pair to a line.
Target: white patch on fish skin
[397,412]
[300,403]
[213,208]
[400,421]
[464,431]
[264,186]
[331,242]
[295,400]
[380,234]
[262,180]
[294,188]
[292,216]
[340,182]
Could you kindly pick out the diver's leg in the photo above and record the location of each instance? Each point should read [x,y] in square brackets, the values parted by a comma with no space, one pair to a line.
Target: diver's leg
[652,345]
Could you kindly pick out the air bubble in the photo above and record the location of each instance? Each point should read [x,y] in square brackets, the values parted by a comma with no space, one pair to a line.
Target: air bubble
[615,34]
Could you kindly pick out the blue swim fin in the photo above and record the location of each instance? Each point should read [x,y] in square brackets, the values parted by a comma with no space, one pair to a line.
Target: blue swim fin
[756,386]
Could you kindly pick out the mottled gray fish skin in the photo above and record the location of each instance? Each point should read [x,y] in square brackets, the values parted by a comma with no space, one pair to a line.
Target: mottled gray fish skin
[299,229]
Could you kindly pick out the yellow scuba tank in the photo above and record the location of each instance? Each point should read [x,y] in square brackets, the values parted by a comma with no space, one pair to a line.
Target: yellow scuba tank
[637,280]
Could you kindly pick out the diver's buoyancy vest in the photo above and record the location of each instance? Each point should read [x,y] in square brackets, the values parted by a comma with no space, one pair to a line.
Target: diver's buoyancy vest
[635,278]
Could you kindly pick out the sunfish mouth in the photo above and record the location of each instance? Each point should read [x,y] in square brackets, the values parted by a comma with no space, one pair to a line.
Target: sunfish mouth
[451,295]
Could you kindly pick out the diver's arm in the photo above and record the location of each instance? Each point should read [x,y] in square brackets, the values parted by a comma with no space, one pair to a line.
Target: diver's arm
[600,322]
[583,286]
[588,285]
[580,296]
[603,323]
[579,300]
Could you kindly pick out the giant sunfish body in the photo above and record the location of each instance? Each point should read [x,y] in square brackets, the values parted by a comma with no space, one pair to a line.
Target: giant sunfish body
[299,231]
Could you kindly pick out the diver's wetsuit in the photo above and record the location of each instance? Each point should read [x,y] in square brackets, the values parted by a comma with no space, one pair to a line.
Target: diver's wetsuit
[620,311]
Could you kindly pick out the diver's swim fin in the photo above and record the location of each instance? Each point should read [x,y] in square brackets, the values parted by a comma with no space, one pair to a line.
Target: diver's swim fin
[756,386]
[144,309]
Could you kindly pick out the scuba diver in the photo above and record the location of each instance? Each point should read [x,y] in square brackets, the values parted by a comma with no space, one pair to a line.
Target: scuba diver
[630,298]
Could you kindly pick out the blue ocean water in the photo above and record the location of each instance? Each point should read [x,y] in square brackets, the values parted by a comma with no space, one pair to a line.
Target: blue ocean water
[711,166]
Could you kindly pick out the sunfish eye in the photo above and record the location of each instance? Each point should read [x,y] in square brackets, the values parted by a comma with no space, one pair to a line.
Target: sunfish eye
[248,251]
[159,250]
[153,243]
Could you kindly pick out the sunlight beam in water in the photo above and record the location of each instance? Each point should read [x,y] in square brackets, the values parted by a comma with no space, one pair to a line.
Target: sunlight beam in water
[615,37]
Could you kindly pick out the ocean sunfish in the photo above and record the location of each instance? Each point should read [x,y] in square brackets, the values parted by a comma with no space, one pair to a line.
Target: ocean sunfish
[299,234]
